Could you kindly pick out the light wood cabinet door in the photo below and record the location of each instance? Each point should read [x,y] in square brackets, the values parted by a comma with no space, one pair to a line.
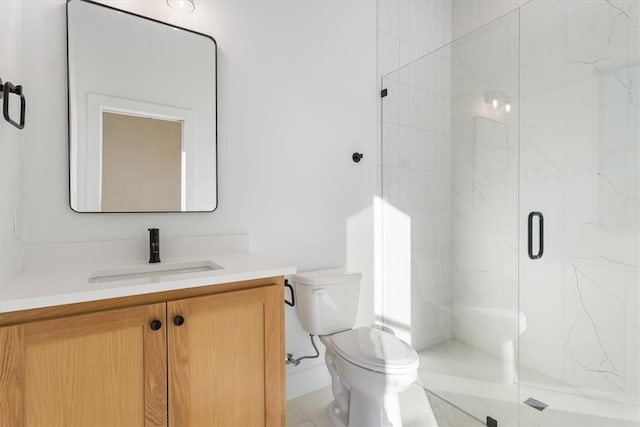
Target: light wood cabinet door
[226,361]
[100,369]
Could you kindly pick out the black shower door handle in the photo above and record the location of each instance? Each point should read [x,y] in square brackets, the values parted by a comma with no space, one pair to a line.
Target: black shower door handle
[532,215]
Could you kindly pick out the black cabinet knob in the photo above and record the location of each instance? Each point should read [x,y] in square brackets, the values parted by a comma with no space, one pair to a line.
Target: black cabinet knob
[178,320]
[155,325]
[356,157]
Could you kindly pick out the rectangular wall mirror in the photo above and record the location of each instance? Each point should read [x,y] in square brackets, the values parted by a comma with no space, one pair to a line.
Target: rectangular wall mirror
[142,113]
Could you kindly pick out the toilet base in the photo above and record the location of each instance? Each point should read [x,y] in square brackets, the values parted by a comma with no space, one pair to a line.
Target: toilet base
[380,412]
[337,418]
[362,397]
[367,410]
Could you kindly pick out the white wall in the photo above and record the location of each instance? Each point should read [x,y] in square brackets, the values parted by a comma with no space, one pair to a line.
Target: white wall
[296,98]
[10,148]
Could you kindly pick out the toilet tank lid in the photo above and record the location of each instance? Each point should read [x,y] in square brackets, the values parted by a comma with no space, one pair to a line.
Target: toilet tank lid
[333,276]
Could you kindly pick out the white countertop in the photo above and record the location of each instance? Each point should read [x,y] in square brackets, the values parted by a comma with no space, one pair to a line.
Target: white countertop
[37,289]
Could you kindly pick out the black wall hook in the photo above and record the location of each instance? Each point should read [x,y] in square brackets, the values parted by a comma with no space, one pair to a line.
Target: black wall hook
[356,157]
[7,89]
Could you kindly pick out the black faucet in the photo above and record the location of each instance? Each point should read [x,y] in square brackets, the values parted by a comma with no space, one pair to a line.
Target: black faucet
[154,245]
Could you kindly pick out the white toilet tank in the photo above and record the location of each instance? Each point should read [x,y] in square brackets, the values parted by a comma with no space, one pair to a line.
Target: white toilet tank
[327,300]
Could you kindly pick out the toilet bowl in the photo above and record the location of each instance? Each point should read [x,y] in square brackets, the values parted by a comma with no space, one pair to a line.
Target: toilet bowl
[494,330]
[369,367]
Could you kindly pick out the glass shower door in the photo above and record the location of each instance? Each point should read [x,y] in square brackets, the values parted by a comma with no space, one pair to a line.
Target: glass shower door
[579,167]
[450,218]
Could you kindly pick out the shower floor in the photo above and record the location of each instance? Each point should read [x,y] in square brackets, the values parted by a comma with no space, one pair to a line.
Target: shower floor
[465,377]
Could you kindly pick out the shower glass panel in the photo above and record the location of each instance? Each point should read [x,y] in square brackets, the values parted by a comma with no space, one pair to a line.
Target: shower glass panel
[580,167]
[450,218]
[511,216]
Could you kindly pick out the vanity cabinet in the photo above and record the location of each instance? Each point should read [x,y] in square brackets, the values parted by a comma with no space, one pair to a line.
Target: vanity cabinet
[204,360]
[101,368]
[224,359]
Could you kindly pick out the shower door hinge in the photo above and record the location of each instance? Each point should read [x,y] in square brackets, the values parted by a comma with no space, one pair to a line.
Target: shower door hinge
[492,422]
[383,93]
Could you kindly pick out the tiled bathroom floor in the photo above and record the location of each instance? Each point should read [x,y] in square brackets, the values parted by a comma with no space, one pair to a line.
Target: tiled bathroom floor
[419,408]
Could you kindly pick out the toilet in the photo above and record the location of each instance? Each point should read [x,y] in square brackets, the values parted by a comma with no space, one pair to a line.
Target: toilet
[369,367]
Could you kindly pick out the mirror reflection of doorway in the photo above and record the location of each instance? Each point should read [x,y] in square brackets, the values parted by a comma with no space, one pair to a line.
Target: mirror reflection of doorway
[141,163]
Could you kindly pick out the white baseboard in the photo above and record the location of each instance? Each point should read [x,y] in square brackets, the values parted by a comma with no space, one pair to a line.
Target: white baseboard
[304,382]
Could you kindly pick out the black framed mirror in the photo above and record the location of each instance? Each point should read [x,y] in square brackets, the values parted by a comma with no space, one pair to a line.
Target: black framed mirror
[142,113]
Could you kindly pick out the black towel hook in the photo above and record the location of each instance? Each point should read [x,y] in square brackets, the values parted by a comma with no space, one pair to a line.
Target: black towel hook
[293,296]
[6,89]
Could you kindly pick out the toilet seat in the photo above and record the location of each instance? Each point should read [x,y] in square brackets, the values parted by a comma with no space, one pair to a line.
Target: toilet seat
[375,350]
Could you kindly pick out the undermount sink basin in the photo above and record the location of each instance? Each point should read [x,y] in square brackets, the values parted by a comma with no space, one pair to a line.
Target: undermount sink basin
[152,271]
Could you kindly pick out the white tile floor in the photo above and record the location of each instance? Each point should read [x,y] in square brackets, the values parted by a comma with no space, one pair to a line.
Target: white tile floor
[418,407]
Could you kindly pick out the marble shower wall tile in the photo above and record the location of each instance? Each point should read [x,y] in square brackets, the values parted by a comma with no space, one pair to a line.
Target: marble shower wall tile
[579,166]
[416,167]
[485,154]
[408,29]
[451,232]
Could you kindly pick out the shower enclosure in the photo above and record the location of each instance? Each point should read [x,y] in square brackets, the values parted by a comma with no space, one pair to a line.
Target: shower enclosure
[511,215]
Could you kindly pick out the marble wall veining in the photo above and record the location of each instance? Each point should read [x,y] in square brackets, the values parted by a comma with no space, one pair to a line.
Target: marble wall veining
[484,194]
[459,177]
[574,68]
[579,166]
[485,173]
